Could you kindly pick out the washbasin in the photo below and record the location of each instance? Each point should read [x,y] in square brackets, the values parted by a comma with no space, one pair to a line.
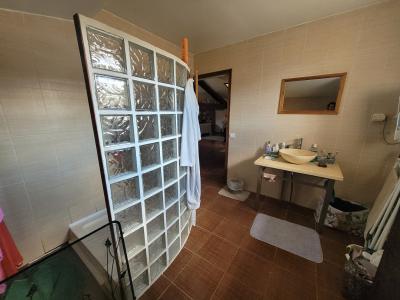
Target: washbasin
[297,156]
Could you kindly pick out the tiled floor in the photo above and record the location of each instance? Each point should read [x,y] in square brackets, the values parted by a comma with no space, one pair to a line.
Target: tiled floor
[222,261]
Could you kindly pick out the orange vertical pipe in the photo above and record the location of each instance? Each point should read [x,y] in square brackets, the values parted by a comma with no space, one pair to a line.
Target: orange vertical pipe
[185,50]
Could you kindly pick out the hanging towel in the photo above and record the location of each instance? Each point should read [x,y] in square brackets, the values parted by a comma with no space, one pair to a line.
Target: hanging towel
[11,258]
[190,148]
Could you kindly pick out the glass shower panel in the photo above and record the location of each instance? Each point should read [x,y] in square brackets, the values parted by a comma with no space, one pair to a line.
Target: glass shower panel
[142,61]
[116,129]
[106,51]
[141,282]
[153,205]
[171,194]
[180,100]
[151,181]
[149,155]
[124,192]
[183,185]
[112,93]
[145,96]
[180,120]
[147,126]
[173,250]
[167,125]
[169,150]
[121,162]
[170,173]
[181,75]
[172,213]
[166,96]
[158,266]
[130,218]
[165,69]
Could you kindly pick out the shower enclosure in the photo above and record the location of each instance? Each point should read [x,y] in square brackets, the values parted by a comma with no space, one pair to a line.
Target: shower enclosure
[136,96]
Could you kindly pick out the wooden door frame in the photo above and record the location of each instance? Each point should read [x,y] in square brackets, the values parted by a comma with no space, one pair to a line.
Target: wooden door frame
[228,108]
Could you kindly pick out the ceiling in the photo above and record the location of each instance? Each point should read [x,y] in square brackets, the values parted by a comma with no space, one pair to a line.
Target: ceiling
[208,24]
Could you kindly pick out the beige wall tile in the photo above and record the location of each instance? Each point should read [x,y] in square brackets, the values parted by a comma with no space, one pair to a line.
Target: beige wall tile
[363,43]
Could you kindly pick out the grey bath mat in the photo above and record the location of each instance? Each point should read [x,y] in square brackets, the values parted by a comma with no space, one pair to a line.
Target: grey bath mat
[296,239]
[240,196]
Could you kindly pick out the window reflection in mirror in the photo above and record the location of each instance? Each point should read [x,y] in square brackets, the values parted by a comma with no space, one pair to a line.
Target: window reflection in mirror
[311,95]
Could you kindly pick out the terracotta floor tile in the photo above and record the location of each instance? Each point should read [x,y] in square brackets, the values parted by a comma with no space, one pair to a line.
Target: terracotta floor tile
[251,270]
[157,288]
[300,219]
[307,212]
[232,289]
[223,206]
[197,238]
[244,217]
[328,295]
[178,264]
[274,208]
[231,231]
[258,247]
[218,252]
[295,264]
[208,219]
[199,279]
[174,293]
[286,285]
[330,277]
[333,251]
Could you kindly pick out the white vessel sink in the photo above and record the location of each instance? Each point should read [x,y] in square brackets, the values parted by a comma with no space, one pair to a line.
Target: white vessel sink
[297,156]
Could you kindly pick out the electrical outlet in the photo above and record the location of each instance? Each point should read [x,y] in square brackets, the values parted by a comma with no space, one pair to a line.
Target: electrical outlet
[378,117]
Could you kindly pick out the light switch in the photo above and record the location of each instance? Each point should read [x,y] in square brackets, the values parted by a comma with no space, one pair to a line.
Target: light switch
[232,135]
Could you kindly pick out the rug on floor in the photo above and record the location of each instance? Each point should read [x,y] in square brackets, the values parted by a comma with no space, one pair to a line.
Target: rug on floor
[240,196]
[293,238]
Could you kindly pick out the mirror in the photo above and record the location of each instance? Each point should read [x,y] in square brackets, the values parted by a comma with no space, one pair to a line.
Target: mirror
[312,95]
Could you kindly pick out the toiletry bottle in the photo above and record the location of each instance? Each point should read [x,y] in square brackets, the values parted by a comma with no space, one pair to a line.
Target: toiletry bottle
[267,149]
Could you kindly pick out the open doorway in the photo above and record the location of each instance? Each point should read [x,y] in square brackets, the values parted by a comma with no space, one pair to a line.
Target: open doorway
[214,99]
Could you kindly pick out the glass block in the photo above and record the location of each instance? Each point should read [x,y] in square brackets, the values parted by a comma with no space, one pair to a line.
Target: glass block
[169,150]
[170,173]
[138,263]
[106,51]
[182,170]
[183,203]
[130,217]
[166,96]
[172,232]
[156,248]
[172,213]
[134,242]
[112,92]
[158,267]
[183,185]
[149,155]
[153,205]
[121,162]
[171,194]
[116,129]
[142,61]
[180,100]
[151,181]
[155,227]
[125,191]
[181,75]
[173,250]
[165,69]
[185,217]
[185,234]
[144,95]
[180,121]
[167,125]
[140,283]
[179,144]
[147,127]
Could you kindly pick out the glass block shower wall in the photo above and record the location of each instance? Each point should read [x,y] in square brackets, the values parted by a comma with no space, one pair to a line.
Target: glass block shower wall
[137,96]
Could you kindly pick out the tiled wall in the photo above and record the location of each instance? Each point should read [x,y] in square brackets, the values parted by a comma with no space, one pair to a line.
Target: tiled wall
[366,44]
[49,175]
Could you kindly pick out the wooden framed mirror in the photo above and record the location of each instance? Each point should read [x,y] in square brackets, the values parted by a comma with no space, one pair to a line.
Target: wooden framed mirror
[319,94]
